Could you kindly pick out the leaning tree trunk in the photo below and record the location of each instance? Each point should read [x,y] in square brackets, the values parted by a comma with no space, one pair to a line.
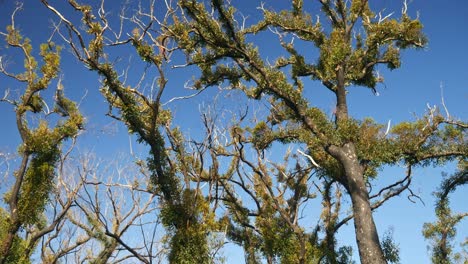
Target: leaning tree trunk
[367,238]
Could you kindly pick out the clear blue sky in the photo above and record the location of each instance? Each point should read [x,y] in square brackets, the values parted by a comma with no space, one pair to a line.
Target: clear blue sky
[405,93]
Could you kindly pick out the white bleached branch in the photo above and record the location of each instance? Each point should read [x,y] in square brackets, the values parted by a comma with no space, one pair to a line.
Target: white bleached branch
[388,127]
[309,157]
[443,100]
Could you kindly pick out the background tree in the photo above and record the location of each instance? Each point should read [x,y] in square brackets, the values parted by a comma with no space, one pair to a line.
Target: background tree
[185,212]
[114,218]
[22,223]
[443,230]
[352,43]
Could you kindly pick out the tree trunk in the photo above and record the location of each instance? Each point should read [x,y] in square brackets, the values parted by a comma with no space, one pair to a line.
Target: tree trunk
[367,237]
[14,222]
[7,244]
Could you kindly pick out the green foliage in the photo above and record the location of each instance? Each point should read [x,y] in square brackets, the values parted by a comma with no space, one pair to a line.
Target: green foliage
[16,253]
[189,221]
[39,177]
[189,245]
[443,230]
[296,21]
[333,52]
[390,249]
[51,59]
[279,241]
[344,255]
[40,148]
[146,53]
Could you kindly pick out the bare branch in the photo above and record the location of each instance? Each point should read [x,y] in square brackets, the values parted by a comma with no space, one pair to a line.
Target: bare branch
[309,157]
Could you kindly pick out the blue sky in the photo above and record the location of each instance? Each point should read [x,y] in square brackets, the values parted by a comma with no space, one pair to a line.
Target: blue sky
[404,94]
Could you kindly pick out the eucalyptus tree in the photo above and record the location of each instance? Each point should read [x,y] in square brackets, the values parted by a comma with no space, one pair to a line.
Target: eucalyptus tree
[22,223]
[350,44]
[96,41]
[442,231]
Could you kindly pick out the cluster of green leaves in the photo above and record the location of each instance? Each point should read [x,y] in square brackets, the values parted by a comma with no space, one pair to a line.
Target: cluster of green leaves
[279,241]
[442,232]
[40,148]
[390,248]
[189,222]
[18,247]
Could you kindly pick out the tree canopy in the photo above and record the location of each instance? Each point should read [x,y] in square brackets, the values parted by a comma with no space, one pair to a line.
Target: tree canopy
[273,172]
